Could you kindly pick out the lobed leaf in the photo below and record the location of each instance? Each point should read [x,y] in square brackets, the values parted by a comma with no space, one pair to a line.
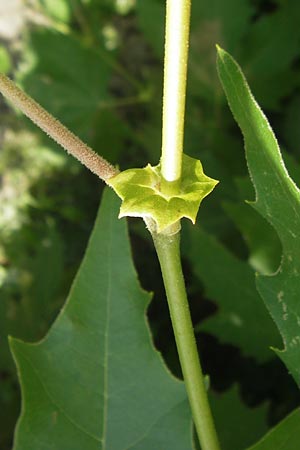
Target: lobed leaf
[278,200]
[95,381]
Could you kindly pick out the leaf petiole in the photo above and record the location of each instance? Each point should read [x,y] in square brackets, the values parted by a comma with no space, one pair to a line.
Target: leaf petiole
[168,251]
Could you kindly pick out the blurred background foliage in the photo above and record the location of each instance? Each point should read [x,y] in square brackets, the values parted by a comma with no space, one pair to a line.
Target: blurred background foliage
[97,66]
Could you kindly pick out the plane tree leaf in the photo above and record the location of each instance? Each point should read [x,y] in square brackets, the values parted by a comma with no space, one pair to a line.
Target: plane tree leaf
[278,200]
[95,381]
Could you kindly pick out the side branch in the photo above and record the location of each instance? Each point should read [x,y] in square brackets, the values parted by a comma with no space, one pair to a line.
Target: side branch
[56,130]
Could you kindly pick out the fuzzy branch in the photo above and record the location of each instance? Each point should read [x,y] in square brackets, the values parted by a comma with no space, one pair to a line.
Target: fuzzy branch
[56,130]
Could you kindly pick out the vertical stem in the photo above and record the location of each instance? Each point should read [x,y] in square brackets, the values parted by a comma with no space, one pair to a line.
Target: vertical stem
[175,72]
[168,252]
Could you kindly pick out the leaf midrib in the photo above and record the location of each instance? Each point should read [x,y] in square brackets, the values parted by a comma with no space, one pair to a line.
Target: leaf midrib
[106,337]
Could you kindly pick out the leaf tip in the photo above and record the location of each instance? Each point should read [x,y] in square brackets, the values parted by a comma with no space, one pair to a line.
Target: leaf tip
[11,339]
[13,343]
[220,51]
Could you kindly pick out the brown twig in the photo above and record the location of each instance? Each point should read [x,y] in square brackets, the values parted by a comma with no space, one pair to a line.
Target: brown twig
[56,130]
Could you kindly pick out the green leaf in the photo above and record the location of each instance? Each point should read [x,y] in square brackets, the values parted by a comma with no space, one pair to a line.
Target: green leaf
[140,191]
[278,200]
[285,436]
[241,318]
[252,423]
[95,381]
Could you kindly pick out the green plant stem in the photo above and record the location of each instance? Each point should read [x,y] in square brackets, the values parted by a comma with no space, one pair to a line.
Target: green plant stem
[175,73]
[168,251]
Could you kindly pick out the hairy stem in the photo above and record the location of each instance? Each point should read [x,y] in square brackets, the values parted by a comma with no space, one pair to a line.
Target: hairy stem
[58,132]
[168,252]
[175,73]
